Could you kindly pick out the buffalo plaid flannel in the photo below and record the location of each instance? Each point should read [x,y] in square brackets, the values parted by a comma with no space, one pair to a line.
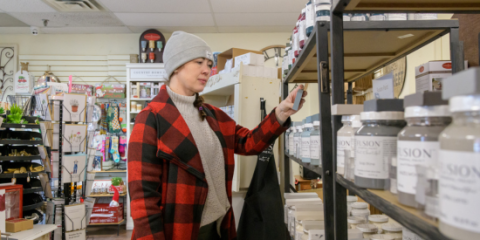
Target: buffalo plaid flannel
[166,180]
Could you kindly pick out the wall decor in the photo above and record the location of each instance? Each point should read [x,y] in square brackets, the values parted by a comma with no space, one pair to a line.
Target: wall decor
[73,168]
[74,138]
[74,107]
[8,67]
[109,90]
[150,46]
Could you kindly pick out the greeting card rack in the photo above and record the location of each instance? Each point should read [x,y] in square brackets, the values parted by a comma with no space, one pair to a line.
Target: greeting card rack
[19,148]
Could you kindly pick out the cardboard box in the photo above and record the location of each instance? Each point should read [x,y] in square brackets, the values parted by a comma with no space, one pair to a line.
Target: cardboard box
[251,59]
[19,224]
[231,54]
[103,213]
[428,76]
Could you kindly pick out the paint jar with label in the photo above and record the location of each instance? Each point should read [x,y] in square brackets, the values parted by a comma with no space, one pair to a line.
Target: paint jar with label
[362,213]
[460,158]
[139,107]
[287,133]
[426,16]
[302,30]
[367,229]
[427,115]
[381,237]
[393,175]
[308,128]
[376,142]
[350,200]
[322,10]
[289,52]
[392,229]
[344,141]
[291,140]
[376,17]
[347,17]
[310,17]
[396,16]
[378,220]
[296,41]
[133,106]
[297,138]
[354,221]
[359,17]
[350,153]
[315,145]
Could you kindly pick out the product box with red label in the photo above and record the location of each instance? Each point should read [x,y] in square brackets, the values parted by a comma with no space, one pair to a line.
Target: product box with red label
[103,213]
[428,76]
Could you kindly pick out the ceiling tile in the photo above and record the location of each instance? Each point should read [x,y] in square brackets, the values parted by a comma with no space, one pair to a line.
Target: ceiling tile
[69,19]
[173,29]
[256,19]
[254,29]
[9,21]
[85,30]
[25,6]
[166,19]
[249,6]
[157,6]
[15,30]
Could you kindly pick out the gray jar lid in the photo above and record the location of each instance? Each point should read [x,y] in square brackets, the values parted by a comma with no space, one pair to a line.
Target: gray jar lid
[427,98]
[462,84]
[383,105]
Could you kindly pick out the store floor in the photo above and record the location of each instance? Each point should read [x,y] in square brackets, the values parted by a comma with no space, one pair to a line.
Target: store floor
[108,233]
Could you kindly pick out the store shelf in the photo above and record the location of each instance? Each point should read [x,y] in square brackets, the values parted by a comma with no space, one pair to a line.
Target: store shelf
[222,84]
[20,158]
[386,202]
[14,125]
[141,99]
[107,224]
[37,231]
[32,190]
[313,168]
[20,175]
[21,142]
[370,45]
[33,206]
[422,6]
[106,195]
[113,171]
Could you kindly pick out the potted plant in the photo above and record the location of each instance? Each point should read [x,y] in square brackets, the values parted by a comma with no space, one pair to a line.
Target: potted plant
[16,114]
[74,104]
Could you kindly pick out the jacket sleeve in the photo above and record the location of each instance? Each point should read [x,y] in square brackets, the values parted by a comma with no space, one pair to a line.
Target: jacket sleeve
[144,178]
[253,142]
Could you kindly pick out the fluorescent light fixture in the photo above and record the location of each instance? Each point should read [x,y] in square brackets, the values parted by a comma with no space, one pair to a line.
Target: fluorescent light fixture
[406,36]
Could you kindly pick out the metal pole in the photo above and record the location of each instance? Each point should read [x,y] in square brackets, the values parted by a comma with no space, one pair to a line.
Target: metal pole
[456,51]
[350,93]
[338,97]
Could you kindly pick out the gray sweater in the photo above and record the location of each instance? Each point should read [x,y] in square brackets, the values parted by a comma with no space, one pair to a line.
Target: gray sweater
[213,162]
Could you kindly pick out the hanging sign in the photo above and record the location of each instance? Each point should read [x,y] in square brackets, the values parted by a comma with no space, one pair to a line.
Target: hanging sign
[22,82]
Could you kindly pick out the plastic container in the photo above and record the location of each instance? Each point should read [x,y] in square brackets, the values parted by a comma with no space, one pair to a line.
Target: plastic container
[344,141]
[376,17]
[350,200]
[315,145]
[418,142]
[393,175]
[359,17]
[378,220]
[375,145]
[322,10]
[302,31]
[354,221]
[409,235]
[363,213]
[460,158]
[350,153]
[286,140]
[310,16]
[306,140]
[290,54]
[296,42]
[368,230]
[381,237]
[347,17]
[393,229]
[291,141]
[395,16]
[297,138]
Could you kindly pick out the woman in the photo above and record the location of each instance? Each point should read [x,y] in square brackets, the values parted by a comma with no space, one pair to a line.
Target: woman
[181,151]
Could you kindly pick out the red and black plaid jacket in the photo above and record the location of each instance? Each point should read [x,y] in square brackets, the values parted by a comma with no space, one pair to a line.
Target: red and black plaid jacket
[166,181]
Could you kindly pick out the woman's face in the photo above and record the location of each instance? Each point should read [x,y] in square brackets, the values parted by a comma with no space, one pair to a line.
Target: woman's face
[193,75]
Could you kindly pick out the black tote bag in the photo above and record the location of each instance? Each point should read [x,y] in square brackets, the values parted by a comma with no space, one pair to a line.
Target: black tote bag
[262,215]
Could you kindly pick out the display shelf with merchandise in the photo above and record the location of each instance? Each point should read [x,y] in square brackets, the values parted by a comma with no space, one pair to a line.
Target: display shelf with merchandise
[36,233]
[402,6]
[313,168]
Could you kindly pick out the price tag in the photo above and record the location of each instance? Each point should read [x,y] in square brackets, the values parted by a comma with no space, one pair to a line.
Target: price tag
[23,126]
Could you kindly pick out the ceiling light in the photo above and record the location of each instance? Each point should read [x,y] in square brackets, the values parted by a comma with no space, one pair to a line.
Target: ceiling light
[406,36]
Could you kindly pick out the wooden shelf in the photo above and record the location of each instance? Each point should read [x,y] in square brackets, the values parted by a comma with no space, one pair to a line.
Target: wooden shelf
[37,231]
[106,195]
[370,45]
[106,224]
[422,6]
[386,202]
[313,168]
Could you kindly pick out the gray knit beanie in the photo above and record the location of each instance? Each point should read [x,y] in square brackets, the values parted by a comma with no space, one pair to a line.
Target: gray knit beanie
[183,47]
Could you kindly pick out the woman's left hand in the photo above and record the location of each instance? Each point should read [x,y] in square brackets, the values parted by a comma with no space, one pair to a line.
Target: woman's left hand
[285,109]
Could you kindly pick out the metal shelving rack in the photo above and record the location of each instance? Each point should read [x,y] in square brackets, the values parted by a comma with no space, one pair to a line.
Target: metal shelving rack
[367,47]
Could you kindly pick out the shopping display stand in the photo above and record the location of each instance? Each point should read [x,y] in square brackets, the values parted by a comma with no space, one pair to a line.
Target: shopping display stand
[366,47]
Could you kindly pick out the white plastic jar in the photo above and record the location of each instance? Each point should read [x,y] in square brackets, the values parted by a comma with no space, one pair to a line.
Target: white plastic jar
[354,221]
[368,230]
[350,200]
[381,237]
[393,229]
[378,220]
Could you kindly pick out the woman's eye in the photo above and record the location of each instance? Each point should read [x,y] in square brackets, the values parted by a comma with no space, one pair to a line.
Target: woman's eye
[210,66]
[199,62]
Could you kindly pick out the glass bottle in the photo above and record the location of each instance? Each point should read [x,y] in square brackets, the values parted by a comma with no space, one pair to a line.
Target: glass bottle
[315,145]
[306,142]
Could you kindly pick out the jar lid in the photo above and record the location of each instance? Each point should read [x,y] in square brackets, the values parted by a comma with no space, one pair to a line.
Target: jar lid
[356,123]
[316,123]
[308,125]
[367,228]
[360,212]
[346,118]
[352,198]
[355,220]
[381,237]
[360,205]
[465,103]
[378,218]
[381,116]
[392,227]
[427,111]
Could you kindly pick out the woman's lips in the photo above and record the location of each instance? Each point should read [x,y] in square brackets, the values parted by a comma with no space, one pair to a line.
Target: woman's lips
[204,81]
